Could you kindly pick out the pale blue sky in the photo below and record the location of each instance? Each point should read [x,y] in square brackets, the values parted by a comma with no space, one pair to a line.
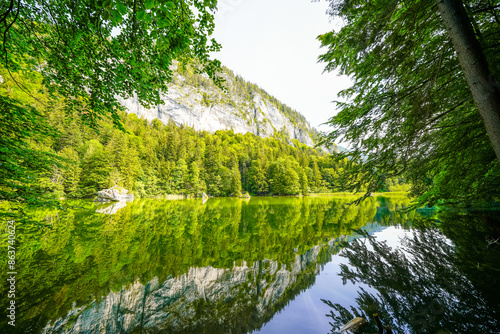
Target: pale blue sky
[273,43]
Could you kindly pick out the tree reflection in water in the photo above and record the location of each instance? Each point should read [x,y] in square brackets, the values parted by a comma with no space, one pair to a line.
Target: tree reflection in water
[426,285]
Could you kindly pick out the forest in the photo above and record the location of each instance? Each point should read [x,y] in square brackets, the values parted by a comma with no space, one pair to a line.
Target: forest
[420,119]
[154,159]
[64,133]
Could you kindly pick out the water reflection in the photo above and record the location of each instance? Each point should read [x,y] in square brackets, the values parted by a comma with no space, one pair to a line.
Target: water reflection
[430,284]
[180,266]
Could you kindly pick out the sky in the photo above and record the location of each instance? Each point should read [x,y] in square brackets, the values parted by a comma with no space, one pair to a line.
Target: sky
[273,44]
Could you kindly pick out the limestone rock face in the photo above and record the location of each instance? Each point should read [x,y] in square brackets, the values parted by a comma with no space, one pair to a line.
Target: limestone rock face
[184,106]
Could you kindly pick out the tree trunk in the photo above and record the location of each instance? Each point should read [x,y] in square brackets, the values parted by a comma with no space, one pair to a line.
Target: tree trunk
[475,67]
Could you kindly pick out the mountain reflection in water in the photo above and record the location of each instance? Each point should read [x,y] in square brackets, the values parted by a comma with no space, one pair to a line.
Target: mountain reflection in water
[226,266]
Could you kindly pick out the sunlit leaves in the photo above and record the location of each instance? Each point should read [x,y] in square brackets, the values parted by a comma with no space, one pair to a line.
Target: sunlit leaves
[22,162]
[91,52]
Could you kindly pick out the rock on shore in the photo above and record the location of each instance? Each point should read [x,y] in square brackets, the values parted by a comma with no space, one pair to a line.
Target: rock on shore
[114,194]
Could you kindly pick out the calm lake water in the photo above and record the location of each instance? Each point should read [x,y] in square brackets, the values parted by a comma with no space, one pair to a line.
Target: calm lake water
[266,265]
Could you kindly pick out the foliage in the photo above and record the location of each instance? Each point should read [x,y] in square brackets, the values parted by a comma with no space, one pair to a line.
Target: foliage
[409,112]
[152,159]
[283,178]
[81,57]
[23,165]
[91,52]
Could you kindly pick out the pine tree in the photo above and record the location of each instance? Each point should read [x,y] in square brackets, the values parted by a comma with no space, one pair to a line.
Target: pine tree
[95,165]
[417,70]
[180,176]
[257,178]
[304,184]
[194,185]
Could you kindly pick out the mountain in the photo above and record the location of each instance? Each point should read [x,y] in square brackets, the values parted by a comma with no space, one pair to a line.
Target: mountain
[193,100]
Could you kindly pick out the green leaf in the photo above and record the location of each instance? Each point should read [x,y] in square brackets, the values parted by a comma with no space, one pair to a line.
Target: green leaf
[149,4]
[121,8]
[117,17]
[170,5]
[141,14]
[170,17]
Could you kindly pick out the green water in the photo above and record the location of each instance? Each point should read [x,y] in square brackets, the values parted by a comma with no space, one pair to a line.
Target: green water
[233,266]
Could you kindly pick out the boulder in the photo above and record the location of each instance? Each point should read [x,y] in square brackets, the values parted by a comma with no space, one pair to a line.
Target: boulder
[114,194]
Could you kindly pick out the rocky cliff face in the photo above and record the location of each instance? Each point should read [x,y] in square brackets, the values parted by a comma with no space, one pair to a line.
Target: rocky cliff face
[193,101]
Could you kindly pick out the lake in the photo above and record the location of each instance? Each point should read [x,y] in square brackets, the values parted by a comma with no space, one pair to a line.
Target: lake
[264,265]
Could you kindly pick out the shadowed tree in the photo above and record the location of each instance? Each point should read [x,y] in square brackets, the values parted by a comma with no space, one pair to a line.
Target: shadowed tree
[410,111]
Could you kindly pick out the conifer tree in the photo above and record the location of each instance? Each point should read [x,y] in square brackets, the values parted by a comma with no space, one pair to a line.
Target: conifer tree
[412,110]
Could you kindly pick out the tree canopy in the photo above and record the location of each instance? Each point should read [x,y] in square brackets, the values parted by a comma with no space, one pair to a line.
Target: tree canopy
[80,57]
[410,110]
[93,51]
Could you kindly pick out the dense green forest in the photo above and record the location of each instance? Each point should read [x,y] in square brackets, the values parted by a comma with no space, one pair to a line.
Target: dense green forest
[422,115]
[410,119]
[152,159]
